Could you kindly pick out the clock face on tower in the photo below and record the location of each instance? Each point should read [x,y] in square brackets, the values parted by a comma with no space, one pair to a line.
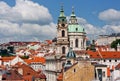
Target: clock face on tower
[63,25]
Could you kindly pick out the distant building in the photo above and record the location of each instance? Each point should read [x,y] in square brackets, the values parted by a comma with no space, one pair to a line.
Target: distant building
[37,63]
[107,39]
[8,61]
[107,60]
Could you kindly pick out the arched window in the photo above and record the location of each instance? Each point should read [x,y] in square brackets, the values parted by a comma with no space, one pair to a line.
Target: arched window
[76,43]
[63,50]
[63,33]
[76,29]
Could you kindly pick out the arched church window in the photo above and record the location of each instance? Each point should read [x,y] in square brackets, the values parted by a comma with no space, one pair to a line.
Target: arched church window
[63,50]
[63,33]
[76,43]
[76,29]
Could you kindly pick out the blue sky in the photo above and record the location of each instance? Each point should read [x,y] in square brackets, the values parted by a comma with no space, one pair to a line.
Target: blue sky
[96,15]
[83,8]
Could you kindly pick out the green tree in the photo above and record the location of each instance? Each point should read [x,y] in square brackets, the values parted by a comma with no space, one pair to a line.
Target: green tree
[115,43]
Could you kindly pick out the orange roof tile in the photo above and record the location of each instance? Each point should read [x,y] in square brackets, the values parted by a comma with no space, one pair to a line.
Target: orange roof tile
[60,77]
[28,77]
[35,59]
[104,54]
[29,73]
[7,58]
[49,41]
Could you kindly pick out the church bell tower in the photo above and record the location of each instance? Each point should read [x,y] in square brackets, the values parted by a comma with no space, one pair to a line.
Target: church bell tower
[62,34]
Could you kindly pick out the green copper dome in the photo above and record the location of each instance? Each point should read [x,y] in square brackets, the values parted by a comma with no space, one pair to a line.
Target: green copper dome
[74,28]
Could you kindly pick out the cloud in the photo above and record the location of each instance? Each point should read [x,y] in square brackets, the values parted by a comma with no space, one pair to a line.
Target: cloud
[93,31]
[25,32]
[29,21]
[111,28]
[26,21]
[110,15]
[25,11]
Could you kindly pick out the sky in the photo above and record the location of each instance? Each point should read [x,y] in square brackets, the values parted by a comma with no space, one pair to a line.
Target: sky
[36,20]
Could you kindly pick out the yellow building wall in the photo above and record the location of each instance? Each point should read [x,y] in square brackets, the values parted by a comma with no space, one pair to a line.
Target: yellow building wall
[82,71]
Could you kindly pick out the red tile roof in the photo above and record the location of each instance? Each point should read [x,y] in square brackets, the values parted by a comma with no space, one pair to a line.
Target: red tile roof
[49,41]
[28,77]
[104,54]
[12,75]
[35,59]
[41,75]
[29,73]
[6,59]
[60,77]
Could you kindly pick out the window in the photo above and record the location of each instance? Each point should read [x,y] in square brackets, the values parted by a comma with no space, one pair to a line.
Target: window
[63,33]
[115,60]
[103,73]
[74,70]
[63,50]
[104,60]
[76,29]
[76,43]
[109,60]
[62,19]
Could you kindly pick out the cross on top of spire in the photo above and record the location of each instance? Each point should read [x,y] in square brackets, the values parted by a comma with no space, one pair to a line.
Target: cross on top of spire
[73,14]
[61,6]
[72,9]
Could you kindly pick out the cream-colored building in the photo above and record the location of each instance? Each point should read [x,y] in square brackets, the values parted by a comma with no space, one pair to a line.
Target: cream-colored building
[81,71]
[76,69]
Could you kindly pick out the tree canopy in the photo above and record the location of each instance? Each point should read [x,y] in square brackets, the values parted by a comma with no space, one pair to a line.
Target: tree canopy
[115,43]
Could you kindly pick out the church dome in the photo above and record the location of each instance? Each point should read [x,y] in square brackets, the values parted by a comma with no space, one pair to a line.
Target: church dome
[71,54]
[74,28]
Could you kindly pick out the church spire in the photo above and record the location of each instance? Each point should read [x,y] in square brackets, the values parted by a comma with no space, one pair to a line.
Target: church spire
[62,17]
[62,12]
[73,14]
[73,19]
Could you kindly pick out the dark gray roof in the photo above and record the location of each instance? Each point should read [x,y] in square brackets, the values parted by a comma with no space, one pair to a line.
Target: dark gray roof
[71,54]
